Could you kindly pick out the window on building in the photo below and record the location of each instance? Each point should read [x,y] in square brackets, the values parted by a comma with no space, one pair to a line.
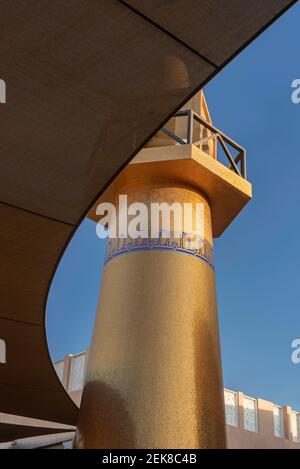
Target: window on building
[278,421]
[250,414]
[231,407]
[295,426]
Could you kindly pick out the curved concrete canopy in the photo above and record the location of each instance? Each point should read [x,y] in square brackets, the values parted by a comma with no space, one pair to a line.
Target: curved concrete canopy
[13,427]
[88,83]
[9,432]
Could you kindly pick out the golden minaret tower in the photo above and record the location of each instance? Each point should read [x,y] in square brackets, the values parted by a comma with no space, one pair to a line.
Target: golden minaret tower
[154,377]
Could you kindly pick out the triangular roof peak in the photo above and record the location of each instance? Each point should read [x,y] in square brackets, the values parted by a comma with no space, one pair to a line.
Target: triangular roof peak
[198,104]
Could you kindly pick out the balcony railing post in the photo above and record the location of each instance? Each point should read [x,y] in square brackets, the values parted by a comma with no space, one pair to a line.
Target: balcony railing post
[190,126]
[243,164]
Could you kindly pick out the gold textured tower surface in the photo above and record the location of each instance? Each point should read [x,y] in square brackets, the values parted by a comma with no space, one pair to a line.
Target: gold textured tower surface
[154,377]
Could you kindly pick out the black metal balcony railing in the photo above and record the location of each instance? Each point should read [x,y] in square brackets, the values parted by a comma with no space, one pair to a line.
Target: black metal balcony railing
[208,133]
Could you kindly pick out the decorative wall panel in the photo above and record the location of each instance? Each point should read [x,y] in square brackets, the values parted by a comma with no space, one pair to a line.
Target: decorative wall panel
[250,414]
[59,368]
[278,421]
[77,372]
[295,426]
[231,408]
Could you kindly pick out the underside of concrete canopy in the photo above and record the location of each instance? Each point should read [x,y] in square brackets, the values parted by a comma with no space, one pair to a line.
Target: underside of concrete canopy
[13,427]
[88,84]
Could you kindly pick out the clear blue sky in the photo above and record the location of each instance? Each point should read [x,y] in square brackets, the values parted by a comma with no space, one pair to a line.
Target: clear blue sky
[258,257]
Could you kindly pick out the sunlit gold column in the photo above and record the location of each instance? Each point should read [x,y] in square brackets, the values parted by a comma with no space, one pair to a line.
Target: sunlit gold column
[154,372]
